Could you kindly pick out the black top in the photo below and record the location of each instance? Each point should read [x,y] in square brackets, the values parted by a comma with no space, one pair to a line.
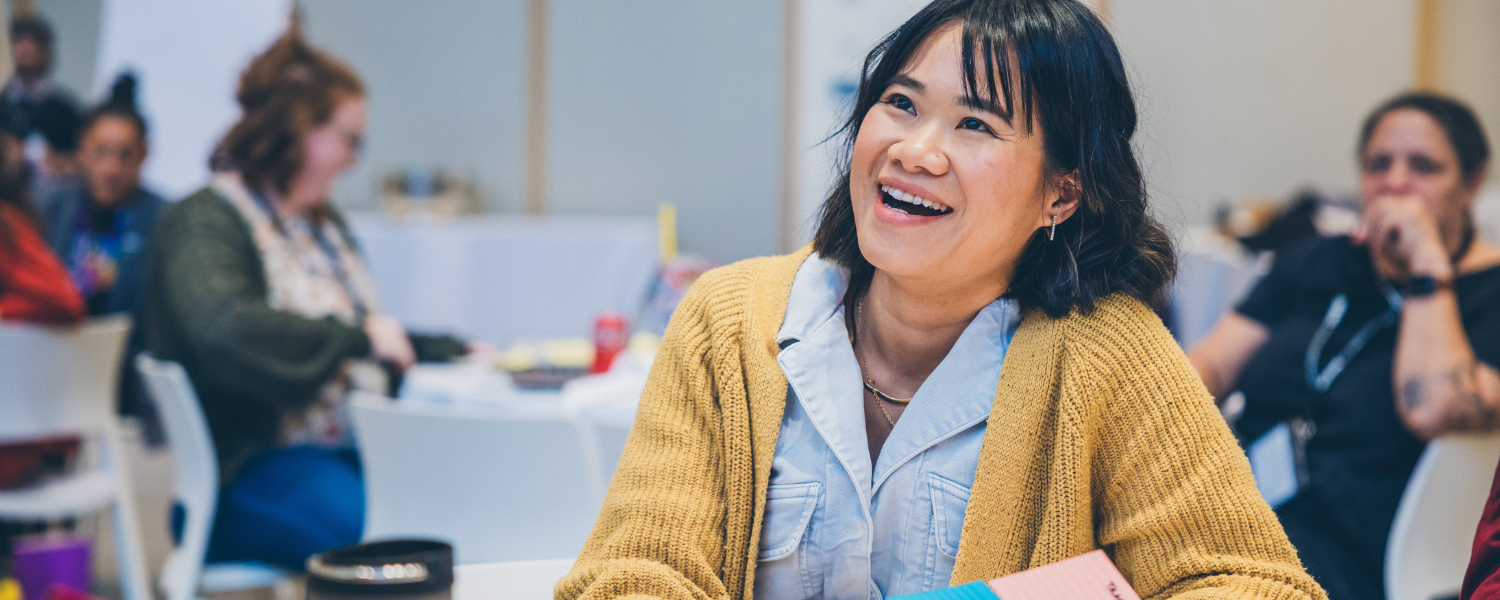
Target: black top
[1361,454]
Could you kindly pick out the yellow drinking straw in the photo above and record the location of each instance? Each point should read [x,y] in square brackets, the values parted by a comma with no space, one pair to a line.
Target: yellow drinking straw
[666,231]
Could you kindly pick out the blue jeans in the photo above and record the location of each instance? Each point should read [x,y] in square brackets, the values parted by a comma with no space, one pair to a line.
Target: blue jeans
[288,504]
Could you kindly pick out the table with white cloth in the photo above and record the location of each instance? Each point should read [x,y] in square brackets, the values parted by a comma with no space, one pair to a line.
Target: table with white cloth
[498,278]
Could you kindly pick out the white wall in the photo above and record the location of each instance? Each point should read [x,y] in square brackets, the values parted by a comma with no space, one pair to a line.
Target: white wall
[1469,59]
[188,56]
[446,84]
[75,25]
[676,101]
[1469,68]
[1243,99]
[649,101]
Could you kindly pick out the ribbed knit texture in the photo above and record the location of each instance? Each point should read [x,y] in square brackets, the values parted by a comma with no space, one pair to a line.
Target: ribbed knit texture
[1101,436]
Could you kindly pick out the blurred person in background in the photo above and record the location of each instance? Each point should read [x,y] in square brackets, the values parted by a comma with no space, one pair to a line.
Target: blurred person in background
[960,379]
[256,287]
[1354,351]
[34,284]
[41,121]
[99,227]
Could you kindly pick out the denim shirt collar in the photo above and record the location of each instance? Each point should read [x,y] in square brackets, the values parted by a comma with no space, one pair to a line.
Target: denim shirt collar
[819,362]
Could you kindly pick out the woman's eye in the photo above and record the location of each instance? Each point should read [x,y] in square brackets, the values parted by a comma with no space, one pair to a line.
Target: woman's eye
[1378,164]
[900,102]
[973,124]
[1423,164]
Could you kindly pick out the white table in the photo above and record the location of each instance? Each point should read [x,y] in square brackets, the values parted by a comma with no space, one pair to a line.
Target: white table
[528,580]
[604,405]
[497,278]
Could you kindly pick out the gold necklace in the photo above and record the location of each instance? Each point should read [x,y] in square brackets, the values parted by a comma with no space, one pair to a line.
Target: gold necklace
[859,320]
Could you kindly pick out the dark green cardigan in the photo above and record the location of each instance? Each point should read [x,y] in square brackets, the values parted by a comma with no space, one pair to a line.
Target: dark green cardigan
[206,308]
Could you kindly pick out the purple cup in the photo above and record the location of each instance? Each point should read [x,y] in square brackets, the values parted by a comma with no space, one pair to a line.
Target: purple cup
[44,560]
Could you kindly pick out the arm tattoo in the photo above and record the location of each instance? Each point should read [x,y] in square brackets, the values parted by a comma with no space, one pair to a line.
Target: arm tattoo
[1469,411]
[1411,394]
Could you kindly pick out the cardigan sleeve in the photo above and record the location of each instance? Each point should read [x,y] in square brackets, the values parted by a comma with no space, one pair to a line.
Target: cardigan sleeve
[1178,506]
[661,531]
[34,285]
[211,287]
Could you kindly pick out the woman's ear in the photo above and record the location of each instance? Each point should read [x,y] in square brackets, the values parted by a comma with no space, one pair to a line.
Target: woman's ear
[1069,194]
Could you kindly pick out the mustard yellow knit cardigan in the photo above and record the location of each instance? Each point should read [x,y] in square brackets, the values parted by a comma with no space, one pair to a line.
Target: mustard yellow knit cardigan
[1101,436]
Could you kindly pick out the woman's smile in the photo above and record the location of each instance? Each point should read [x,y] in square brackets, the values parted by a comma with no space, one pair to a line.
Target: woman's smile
[903,203]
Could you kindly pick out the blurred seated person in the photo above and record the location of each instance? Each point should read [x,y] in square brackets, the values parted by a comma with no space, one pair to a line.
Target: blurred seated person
[1357,350]
[100,226]
[41,120]
[256,287]
[34,284]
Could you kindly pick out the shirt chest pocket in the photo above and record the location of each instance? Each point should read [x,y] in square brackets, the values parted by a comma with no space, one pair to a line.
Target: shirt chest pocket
[789,511]
[788,554]
[949,501]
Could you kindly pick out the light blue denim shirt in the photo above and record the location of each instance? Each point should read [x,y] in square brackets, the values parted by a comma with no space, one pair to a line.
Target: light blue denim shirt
[836,526]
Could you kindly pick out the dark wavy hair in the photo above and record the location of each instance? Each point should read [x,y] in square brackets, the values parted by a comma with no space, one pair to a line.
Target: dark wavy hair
[289,89]
[1456,119]
[1056,62]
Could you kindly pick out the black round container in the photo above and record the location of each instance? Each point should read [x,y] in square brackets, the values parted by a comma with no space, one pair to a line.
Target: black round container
[391,569]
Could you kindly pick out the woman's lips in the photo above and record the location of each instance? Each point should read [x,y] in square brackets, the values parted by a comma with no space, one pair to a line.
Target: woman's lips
[910,201]
[895,211]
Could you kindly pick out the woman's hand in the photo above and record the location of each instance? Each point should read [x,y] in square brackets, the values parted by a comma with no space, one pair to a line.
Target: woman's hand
[1403,237]
[389,342]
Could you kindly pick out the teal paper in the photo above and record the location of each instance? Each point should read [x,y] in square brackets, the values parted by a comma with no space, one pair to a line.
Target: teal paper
[974,590]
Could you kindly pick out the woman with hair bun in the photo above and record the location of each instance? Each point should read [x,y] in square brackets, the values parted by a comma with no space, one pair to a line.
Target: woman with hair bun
[99,227]
[257,287]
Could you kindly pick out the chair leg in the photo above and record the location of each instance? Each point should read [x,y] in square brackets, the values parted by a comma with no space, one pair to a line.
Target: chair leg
[134,582]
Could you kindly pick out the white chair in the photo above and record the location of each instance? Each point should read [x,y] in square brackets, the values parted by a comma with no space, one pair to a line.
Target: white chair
[1433,533]
[65,380]
[521,580]
[196,483]
[498,489]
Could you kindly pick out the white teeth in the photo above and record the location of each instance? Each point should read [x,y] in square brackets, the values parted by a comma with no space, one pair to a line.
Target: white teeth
[912,198]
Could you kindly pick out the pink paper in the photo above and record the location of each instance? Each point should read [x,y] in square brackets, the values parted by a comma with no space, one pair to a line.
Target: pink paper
[1085,577]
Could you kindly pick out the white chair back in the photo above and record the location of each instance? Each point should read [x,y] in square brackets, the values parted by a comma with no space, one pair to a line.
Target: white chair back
[1433,533]
[65,380]
[60,379]
[196,471]
[498,489]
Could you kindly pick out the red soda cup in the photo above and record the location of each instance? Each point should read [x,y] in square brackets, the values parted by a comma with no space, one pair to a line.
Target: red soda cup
[611,334]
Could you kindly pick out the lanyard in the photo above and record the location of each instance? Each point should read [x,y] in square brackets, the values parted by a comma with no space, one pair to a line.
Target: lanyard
[335,258]
[1320,380]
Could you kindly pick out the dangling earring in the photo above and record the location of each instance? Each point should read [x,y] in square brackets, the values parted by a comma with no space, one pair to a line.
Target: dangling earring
[1052,233]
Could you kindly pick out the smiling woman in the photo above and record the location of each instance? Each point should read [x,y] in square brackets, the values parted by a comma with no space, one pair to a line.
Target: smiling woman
[960,379]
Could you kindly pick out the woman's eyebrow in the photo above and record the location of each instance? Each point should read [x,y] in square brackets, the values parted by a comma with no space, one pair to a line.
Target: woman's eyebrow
[906,81]
[989,105]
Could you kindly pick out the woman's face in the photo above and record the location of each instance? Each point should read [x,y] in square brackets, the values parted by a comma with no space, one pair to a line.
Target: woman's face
[979,183]
[1409,155]
[328,151]
[111,154]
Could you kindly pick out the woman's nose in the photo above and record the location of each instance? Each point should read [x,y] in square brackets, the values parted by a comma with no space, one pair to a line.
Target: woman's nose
[1397,179]
[922,150]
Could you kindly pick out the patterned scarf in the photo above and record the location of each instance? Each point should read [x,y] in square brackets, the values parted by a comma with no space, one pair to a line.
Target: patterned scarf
[311,271]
